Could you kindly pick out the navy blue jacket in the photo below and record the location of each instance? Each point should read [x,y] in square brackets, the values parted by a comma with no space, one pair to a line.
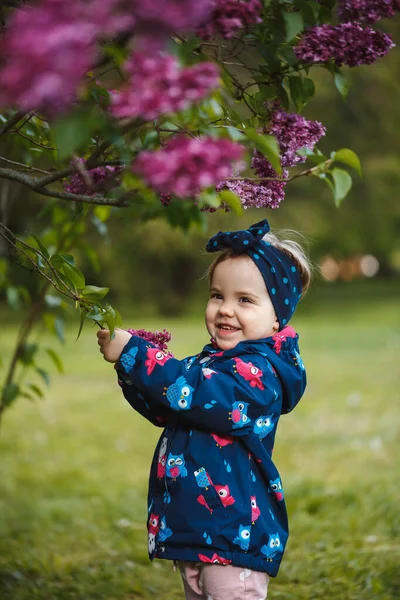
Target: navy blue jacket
[214,493]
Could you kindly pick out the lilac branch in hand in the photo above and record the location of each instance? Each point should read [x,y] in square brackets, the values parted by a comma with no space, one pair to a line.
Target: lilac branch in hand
[158,338]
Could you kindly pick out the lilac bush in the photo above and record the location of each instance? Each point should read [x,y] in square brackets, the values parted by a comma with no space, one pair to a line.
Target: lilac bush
[186,165]
[347,44]
[367,11]
[157,85]
[229,16]
[293,132]
[75,184]
[45,70]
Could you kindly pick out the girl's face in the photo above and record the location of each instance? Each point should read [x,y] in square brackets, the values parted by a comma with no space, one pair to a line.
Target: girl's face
[239,307]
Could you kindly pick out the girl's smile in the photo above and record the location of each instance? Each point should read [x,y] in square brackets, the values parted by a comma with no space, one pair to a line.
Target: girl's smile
[239,307]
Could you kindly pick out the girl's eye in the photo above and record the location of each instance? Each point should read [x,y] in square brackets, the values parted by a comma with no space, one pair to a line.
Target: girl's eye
[215,296]
[245,299]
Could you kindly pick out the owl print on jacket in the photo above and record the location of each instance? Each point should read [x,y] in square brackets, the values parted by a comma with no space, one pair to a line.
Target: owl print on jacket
[128,359]
[255,511]
[162,458]
[273,547]
[176,466]
[224,495]
[239,414]
[156,357]
[153,530]
[263,426]
[243,537]
[250,372]
[179,394]
[275,487]
[164,532]
[203,479]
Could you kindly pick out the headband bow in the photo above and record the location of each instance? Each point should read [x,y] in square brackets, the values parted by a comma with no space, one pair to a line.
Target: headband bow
[280,273]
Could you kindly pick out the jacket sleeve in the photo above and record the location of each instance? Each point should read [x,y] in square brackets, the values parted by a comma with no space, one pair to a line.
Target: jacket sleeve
[230,400]
[157,415]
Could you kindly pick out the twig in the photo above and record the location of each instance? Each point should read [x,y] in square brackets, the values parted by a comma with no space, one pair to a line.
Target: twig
[11,122]
[36,187]
[26,167]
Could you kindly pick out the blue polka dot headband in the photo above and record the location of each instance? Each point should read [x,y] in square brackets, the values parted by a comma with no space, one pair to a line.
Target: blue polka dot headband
[278,270]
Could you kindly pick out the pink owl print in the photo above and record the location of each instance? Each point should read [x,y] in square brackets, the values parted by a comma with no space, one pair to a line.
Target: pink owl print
[156,357]
[255,511]
[250,372]
[153,529]
[224,495]
[162,459]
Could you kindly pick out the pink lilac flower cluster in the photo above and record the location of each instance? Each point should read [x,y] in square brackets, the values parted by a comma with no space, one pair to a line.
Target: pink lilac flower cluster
[187,165]
[260,194]
[48,47]
[367,11]
[158,338]
[102,178]
[293,132]
[46,50]
[158,85]
[230,15]
[155,16]
[347,44]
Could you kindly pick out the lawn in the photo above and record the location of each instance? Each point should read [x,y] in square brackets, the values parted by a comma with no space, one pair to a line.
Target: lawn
[74,467]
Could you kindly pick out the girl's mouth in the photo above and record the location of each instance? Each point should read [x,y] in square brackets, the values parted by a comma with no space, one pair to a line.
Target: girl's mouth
[226,329]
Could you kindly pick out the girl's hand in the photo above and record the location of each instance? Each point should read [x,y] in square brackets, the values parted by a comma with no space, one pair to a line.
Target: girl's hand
[112,349]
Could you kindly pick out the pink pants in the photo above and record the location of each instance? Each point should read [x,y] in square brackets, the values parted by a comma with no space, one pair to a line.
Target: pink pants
[222,582]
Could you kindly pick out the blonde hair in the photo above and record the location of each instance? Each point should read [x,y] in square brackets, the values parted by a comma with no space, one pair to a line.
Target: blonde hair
[282,242]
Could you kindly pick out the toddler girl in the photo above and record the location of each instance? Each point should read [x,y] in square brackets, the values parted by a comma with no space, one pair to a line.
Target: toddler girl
[216,501]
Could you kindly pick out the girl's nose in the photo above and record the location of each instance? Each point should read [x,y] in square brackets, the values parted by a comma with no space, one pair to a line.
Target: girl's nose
[226,308]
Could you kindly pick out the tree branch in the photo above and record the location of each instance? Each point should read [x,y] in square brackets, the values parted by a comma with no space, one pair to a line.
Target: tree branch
[34,185]
[12,121]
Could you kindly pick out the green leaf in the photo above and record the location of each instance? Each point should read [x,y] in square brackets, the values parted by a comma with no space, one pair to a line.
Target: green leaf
[232,200]
[75,275]
[83,316]
[341,84]
[293,23]
[59,329]
[27,353]
[42,248]
[268,146]
[92,292]
[234,133]
[71,132]
[44,375]
[342,184]
[13,298]
[35,388]
[56,360]
[348,157]
[10,393]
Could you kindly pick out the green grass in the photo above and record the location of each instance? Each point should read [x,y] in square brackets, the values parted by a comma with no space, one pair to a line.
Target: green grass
[74,468]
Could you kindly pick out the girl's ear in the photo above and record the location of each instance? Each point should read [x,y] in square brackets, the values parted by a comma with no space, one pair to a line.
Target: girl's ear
[275,326]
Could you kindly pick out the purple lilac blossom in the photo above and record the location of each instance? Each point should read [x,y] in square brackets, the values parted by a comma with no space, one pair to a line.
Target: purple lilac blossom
[260,194]
[367,11]
[75,184]
[48,47]
[46,50]
[230,15]
[187,165]
[347,44]
[158,338]
[293,132]
[158,85]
